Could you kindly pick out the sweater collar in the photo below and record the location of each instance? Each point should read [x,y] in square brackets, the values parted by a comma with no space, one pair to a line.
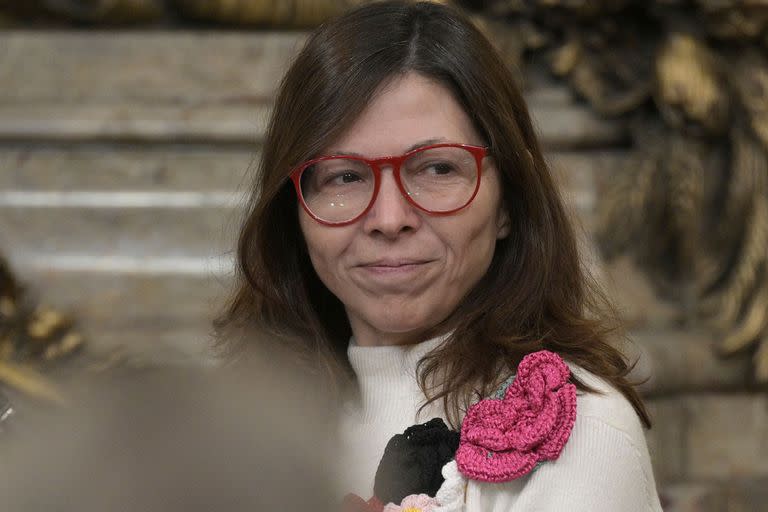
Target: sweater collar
[384,360]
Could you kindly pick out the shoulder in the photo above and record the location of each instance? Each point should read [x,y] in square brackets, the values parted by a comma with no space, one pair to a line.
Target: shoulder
[604,465]
[608,432]
[607,405]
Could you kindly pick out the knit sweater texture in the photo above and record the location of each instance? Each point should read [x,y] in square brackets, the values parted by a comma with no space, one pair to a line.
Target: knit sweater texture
[604,466]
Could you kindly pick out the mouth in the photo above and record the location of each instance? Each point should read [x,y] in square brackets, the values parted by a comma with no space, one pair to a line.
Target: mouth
[395,268]
[395,275]
[394,264]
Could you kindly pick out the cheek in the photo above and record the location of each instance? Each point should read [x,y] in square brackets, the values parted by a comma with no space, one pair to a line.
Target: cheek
[313,239]
[471,247]
[325,246]
[473,242]
[474,250]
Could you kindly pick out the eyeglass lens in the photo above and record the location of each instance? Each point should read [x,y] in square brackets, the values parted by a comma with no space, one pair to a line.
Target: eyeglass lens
[436,179]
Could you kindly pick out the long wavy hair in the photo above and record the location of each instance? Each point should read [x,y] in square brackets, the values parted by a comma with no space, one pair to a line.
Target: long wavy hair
[535,295]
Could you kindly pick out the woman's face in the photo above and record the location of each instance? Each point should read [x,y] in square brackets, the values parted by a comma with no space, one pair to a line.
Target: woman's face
[398,270]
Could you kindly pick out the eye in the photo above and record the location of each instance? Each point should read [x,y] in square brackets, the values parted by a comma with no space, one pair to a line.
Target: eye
[340,178]
[348,177]
[441,168]
[437,168]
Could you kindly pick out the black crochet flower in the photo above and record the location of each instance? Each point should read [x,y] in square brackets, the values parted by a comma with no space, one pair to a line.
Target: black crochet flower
[412,461]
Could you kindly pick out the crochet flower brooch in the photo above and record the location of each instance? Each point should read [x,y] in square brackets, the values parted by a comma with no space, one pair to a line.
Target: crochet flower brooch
[425,469]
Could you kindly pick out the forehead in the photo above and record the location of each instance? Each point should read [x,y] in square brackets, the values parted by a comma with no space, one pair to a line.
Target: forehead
[408,110]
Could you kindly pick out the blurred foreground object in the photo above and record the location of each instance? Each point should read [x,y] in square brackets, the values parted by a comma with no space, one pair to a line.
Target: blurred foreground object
[175,440]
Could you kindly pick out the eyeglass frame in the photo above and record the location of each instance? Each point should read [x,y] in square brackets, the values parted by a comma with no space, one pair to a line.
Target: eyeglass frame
[479,152]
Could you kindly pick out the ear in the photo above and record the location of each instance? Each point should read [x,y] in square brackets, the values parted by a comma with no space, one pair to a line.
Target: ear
[503,224]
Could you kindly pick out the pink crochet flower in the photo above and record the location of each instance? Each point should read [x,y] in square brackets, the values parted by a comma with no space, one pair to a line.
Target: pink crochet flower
[413,503]
[504,439]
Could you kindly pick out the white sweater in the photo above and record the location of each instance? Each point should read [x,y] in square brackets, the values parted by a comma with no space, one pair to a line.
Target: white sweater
[604,466]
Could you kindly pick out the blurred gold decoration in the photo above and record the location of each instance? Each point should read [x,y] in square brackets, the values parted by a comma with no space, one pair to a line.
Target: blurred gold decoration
[267,13]
[510,43]
[699,203]
[30,381]
[740,20]
[654,209]
[690,86]
[605,67]
[751,84]
[530,8]
[691,203]
[31,338]
[90,11]
[285,13]
[109,11]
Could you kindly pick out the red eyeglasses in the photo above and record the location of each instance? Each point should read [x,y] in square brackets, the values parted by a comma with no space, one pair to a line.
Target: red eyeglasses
[439,179]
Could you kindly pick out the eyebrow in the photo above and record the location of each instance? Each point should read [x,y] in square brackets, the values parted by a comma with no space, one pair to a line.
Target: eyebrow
[420,144]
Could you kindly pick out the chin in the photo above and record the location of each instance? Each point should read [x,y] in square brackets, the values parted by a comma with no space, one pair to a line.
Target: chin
[407,324]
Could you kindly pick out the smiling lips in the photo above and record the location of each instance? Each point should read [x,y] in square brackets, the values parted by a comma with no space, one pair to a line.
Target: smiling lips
[394,267]
[394,264]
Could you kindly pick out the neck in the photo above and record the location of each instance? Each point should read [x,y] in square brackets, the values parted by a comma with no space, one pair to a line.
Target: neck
[366,335]
[368,339]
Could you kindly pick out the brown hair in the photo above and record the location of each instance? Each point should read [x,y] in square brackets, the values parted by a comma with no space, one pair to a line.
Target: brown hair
[534,296]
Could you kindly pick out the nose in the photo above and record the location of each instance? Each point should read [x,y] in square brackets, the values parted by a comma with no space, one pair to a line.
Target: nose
[391,214]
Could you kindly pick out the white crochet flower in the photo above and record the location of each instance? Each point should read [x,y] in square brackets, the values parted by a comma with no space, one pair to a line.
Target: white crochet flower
[450,496]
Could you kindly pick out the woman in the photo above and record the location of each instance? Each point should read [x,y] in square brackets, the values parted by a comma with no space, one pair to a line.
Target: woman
[406,238]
